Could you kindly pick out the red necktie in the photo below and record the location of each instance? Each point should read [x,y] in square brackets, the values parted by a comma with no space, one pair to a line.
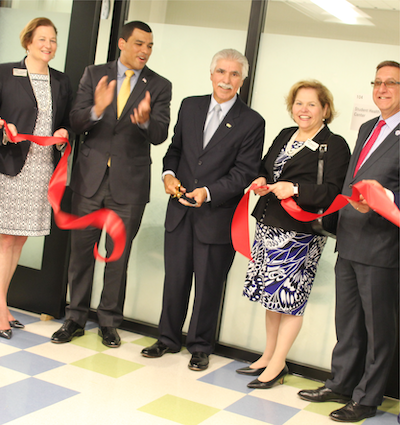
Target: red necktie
[365,150]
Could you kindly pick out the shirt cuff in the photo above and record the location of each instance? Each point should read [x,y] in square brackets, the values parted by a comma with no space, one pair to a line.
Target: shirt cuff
[145,125]
[167,172]
[389,194]
[93,115]
[208,199]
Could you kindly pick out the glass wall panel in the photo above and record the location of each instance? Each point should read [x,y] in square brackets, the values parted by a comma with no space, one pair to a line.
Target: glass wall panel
[186,36]
[12,20]
[306,43]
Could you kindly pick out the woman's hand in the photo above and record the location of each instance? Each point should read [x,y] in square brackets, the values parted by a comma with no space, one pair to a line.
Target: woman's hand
[61,132]
[282,190]
[260,182]
[12,129]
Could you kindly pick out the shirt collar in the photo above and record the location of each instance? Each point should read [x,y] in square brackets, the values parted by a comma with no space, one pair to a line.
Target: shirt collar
[122,68]
[225,107]
[392,121]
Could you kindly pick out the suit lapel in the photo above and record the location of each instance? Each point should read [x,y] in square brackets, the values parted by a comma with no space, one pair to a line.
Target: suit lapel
[390,141]
[111,72]
[55,90]
[357,150]
[199,121]
[25,83]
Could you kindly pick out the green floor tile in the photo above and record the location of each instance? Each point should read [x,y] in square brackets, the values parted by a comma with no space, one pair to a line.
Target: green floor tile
[179,410]
[302,383]
[145,341]
[92,341]
[107,365]
[390,405]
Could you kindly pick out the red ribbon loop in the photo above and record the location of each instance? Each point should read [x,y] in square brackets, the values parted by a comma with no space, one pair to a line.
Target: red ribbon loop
[375,197]
[101,218]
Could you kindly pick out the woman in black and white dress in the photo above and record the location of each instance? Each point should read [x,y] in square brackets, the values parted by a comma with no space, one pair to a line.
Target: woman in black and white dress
[286,251]
[34,99]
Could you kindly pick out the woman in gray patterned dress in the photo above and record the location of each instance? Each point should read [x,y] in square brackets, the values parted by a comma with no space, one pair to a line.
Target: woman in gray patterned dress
[285,251]
[34,99]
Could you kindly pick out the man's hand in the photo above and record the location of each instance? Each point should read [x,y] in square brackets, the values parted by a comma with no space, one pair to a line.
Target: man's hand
[199,195]
[141,114]
[172,185]
[362,206]
[260,182]
[103,95]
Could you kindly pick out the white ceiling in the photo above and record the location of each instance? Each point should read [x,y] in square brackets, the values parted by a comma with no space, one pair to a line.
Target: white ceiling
[363,4]
[302,17]
[376,4]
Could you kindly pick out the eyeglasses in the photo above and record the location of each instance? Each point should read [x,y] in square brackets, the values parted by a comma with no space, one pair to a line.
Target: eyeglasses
[389,84]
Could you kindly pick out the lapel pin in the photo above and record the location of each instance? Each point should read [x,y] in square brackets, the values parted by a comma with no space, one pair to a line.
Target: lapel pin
[228,125]
[144,80]
[397,133]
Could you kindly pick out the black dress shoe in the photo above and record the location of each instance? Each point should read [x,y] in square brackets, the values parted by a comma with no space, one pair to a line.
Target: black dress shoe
[323,394]
[16,324]
[249,371]
[353,412]
[67,331]
[158,349]
[259,385]
[199,361]
[7,334]
[110,336]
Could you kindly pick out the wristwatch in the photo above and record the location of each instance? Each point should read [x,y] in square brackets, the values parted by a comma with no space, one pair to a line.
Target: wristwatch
[295,189]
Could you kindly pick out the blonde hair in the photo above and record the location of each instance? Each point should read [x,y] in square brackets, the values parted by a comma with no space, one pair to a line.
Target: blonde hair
[26,35]
[324,96]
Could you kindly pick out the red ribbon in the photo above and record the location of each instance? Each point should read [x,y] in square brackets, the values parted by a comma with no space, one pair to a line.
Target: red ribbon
[103,217]
[375,197]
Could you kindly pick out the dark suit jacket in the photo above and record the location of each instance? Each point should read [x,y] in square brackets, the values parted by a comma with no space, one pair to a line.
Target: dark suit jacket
[369,238]
[18,106]
[126,143]
[226,166]
[302,169]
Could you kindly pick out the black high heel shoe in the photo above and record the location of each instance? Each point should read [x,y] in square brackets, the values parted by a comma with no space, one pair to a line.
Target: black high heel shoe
[265,385]
[249,371]
[16,324]
[6,334]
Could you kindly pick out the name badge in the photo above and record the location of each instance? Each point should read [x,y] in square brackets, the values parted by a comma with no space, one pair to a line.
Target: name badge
[311,144]
[20,72]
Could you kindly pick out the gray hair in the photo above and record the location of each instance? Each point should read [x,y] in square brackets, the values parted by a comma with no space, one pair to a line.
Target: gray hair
[231,54]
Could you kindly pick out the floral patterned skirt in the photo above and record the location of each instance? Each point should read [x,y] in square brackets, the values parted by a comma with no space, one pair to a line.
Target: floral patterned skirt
[284,267]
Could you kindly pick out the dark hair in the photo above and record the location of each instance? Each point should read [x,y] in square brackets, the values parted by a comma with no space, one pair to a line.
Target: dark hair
[26,35]
[127,29]
[324,96]
[388,63]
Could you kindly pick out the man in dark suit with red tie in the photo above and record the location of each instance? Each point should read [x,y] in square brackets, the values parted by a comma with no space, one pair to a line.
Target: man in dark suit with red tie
[367,268]
[123,108]
[214,155]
